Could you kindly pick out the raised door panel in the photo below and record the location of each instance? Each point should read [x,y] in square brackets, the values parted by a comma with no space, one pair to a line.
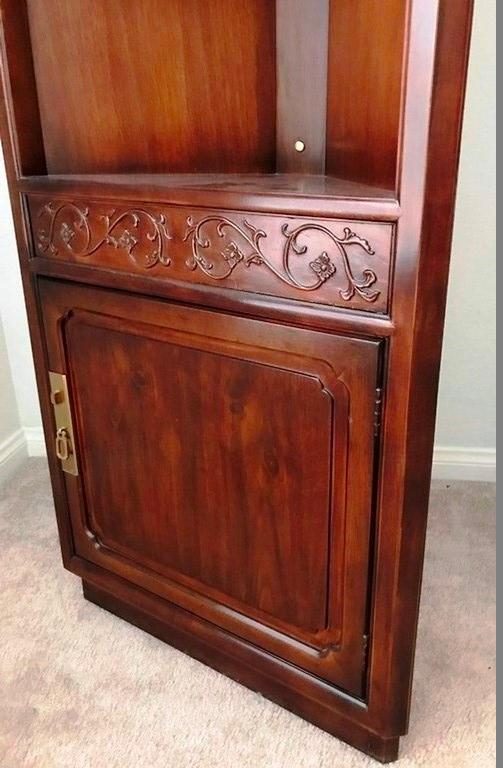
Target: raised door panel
[225,464]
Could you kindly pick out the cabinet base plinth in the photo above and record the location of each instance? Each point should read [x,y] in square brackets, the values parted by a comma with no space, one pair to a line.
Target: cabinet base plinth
[237,661]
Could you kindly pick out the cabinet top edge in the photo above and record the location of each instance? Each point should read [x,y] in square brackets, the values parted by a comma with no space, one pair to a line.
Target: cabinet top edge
[276,193]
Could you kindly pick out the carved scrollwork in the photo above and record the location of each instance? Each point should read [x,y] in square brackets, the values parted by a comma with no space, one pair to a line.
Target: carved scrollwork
[304,257]
[243,246]
[141,234]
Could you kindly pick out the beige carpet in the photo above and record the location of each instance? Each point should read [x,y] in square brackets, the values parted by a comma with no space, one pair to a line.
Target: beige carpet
[80,688]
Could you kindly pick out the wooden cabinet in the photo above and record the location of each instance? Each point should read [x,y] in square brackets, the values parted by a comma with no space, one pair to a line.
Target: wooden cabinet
[235,276]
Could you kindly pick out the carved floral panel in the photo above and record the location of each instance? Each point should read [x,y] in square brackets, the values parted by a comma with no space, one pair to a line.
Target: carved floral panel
[329,262]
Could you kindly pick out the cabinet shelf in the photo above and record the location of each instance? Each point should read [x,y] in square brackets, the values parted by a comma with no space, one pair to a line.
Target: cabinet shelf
[281,193]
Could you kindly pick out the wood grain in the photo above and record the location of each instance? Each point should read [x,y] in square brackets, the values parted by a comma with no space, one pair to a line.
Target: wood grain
[223,500]
[287,193]
[302,62]
[366,49]
[20,89]
[183,86]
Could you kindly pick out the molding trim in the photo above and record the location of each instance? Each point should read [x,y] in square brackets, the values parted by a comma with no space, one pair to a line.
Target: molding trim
[454,463]
[449,462]
[13,451]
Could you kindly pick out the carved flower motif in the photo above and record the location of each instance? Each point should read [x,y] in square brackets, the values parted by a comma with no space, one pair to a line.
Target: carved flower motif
[67,233]
[232,254]
[323,267]
[127,241]
[43,239]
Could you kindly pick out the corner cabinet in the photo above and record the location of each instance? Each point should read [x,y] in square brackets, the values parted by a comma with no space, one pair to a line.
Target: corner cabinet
[235,279]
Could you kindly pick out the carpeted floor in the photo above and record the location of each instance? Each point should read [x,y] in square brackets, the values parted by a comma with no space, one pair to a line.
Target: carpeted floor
[80,688]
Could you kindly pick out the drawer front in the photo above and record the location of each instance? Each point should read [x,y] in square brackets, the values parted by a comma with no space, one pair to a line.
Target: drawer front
[322,261]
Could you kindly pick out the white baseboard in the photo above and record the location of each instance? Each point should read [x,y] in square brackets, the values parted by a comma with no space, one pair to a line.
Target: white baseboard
[451,463]
[13,451]
[35,442]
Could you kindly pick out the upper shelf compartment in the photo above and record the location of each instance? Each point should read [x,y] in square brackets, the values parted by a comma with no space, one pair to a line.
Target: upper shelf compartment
[158,86]
[253,87]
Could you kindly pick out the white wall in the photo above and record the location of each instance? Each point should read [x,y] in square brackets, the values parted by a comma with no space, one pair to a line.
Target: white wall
[12,444]
[466,422]
[9,416]
[465,442]
[14,316]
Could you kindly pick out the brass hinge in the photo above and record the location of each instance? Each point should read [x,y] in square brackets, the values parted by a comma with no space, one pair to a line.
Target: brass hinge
[377,412]
[64,441]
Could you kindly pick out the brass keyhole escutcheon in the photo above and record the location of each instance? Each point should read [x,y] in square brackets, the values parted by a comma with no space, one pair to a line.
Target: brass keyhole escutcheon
[64,441]
[63,445]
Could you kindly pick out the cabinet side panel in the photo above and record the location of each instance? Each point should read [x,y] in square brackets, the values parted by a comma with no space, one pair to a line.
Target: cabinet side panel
[366,47]
[439,35]
[20,89]
[454,31]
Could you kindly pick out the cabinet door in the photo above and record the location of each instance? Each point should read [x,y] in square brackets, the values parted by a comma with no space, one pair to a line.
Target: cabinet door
[224,464]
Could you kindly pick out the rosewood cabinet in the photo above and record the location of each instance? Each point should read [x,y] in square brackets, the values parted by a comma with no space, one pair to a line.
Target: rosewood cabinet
[234,236]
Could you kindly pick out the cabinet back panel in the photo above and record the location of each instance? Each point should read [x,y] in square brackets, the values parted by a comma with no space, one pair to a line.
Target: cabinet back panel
[366,49]
[156,86]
